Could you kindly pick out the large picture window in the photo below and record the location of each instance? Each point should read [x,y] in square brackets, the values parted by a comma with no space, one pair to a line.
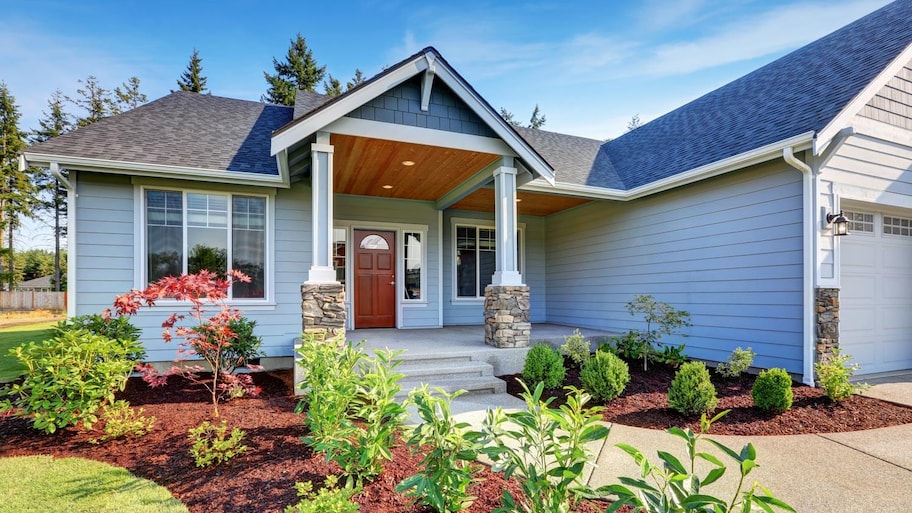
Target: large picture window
[192,231]
[476,249]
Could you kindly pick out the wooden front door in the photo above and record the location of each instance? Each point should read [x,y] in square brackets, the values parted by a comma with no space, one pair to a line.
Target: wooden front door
[375,279]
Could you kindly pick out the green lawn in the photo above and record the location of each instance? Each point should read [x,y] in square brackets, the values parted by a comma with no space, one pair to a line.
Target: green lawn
[10,368]
[74,485]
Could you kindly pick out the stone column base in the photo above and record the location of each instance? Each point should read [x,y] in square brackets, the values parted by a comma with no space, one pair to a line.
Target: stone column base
[827,308]
[507,316]
[323,308]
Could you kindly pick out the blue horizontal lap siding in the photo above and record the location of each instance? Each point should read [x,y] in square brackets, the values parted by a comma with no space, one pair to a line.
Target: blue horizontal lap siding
[105,239]
[727,250]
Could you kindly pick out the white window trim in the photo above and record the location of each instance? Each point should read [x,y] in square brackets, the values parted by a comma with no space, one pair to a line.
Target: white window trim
[399,229]
[139,241]
[484,224]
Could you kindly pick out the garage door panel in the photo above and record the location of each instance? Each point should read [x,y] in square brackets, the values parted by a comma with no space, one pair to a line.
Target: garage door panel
[875,324]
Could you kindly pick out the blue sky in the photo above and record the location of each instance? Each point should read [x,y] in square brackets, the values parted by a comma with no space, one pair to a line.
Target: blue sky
[590,66]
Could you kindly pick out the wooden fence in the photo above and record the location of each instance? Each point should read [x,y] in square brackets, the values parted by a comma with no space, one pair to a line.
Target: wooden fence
[25,300]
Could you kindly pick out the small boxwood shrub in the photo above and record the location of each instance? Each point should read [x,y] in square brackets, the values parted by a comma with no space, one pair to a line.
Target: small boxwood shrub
[772,390]
[544,364]
[576,348]
[691,391]
[605,376]
[739,361]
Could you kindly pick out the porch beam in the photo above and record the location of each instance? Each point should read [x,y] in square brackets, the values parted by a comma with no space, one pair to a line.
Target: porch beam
[321,270]
[418,135]
[506,271]
[476,181]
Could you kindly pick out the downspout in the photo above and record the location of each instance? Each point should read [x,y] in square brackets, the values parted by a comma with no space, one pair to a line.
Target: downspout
[809,237]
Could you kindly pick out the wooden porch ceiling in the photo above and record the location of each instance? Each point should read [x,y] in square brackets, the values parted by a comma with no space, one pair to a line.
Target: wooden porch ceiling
[362,166]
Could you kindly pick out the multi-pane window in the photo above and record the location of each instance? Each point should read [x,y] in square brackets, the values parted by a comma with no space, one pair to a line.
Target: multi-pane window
[190,231]
[860,221]
[476,249]
[893,225]
[339,236]
[413,265]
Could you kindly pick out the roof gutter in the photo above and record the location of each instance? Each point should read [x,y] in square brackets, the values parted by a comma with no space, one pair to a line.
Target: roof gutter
[809,237]
[763,154]
[155,170]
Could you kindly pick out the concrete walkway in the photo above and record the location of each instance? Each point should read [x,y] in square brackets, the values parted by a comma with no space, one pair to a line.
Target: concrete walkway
[826,473]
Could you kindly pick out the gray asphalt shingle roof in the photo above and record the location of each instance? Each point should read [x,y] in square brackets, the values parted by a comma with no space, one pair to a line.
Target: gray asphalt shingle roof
[798,93]
[182,129]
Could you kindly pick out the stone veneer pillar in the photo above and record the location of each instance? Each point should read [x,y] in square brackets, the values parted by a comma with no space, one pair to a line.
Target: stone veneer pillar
[323,308]
[507,320]
[827,307]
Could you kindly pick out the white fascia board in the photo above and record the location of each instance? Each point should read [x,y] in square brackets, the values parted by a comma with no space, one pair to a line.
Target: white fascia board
[320,120]
[158,170]
[763,154]
[497,124]
[418,135]
[848,113]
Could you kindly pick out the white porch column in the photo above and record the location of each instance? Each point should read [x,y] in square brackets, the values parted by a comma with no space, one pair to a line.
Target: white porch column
[321,270]
[506,269]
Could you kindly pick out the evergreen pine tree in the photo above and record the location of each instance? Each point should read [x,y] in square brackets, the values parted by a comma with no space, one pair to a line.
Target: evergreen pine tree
[538,120]
[332,86]
[192,79]
[298,71]
[16,192]
[94,99]
[52,195]
[127,96]
[634,123]
[356,80]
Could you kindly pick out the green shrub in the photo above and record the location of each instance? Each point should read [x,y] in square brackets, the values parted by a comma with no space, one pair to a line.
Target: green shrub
[70,378]
[676,487]
[629,346]
[344,386]
[661,319]
[691,390]
[213,445]
[122,421]
[772,390]
[545,446]
[835,374]
[447,468]
[576,348]
[114,328]
[605,376]
[242,348]
[739,361]
[544,365]
[673,356]
[328,500]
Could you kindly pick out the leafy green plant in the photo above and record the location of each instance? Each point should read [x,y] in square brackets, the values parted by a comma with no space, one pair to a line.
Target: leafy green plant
[673,356]
[834,376]
[661,319]
[605,376]
[328,500]
[546,446]
[544,364]
[114,328]
[576,348]
[213,445]
[691,390]
[70,378]
[738,362]
[772,390]
[122,421]
[672,487]
[446,470]
[243,347]
[359,448]
[330,375]
[629,346]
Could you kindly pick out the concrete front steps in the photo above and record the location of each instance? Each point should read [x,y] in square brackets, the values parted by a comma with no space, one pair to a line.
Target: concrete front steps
[449,371]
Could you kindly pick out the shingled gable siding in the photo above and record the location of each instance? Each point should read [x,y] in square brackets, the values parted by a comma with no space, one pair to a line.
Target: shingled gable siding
[893,103]
[727,250]
[402,106]
[105,238]
[471,312]
[383,213]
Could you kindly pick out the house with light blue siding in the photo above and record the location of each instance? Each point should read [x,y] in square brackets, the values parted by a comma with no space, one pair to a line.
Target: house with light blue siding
[408,202]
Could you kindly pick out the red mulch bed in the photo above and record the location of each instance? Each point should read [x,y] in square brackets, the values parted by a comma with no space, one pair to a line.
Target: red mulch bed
[644,403]
[260,480]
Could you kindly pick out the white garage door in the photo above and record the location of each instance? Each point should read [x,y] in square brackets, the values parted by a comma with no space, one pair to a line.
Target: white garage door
[875,320]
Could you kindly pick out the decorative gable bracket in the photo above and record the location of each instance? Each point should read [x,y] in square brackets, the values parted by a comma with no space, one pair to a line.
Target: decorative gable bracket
[427,81]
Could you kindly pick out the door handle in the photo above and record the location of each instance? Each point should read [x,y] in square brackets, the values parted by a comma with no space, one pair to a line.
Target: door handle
[392,283]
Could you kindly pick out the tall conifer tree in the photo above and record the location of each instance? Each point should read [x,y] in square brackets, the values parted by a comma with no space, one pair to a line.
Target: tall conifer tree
[17,196]
[299,70]
[192,78]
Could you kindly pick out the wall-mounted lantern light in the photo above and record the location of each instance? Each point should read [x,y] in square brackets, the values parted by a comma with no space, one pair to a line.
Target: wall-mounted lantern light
[839,222]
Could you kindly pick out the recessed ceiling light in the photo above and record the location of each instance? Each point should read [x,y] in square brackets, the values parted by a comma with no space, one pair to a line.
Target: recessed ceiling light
[518,200]
[387,186]
[408,163]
